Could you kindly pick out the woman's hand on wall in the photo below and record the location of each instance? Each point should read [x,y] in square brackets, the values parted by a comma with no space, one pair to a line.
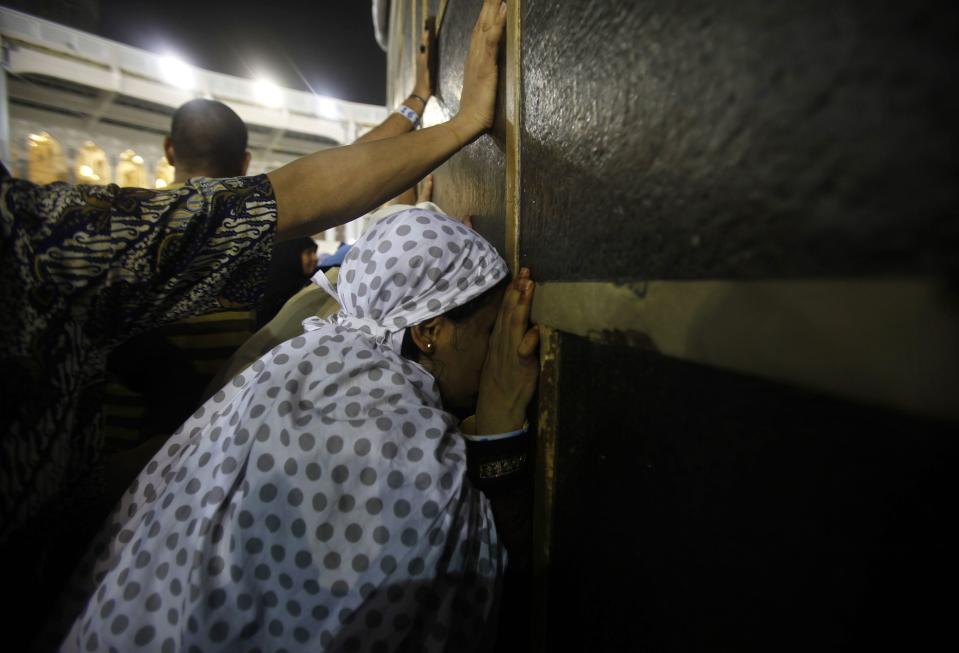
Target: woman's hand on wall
[478,100]
[512,365]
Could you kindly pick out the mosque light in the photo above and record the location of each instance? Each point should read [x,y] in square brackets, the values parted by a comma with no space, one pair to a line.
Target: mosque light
[268,93]
[177,73]
[327,107]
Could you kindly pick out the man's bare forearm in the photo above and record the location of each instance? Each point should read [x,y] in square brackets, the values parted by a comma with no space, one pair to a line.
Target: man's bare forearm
[333,186]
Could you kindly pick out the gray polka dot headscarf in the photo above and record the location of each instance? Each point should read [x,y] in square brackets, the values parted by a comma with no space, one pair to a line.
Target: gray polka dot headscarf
[411,266]
[319,501]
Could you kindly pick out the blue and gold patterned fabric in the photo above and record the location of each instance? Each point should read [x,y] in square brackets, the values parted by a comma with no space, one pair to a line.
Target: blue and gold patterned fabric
[83,268]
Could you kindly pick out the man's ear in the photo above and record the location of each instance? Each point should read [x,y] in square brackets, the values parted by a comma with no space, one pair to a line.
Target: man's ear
[168,150]
[246,163]
[426,334]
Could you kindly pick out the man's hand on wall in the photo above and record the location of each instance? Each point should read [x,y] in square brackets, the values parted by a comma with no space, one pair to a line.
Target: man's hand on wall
[478,101]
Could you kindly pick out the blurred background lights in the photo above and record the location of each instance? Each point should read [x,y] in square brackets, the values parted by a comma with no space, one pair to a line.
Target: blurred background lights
[177,73]
[268,93]
[87,174]
[327,107]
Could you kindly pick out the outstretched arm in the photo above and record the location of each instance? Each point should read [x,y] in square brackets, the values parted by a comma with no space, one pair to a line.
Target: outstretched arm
[333,186]
[395,124]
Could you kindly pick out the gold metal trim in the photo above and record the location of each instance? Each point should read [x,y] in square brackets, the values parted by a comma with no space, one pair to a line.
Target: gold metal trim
[544,493]
[513,108]
[394,59]
[440,13]
[502,467]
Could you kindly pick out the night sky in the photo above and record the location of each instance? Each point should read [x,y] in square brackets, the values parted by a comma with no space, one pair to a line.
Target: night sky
[329,42]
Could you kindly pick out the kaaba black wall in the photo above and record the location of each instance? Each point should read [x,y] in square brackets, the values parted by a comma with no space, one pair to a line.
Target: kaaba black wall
[742,217]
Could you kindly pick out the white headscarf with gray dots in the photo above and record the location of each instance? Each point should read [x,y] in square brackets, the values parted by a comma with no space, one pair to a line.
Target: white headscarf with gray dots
[407,268]
[318,501]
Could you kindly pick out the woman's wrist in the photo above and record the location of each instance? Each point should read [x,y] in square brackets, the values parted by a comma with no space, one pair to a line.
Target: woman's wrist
[496,413]
[487,424]
[470,429]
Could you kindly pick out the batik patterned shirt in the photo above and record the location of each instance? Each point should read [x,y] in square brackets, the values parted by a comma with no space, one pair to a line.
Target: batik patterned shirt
[83,268]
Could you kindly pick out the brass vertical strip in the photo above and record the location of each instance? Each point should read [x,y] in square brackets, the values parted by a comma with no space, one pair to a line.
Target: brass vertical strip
[397,50]
[514,116]
[393,53]
[415,26]
[440,13]
[544,492]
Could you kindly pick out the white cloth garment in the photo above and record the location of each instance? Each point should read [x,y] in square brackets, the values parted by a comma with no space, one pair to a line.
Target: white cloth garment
[319,501]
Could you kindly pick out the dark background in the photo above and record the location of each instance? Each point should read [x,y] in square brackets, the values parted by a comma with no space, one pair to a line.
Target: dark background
[327,47]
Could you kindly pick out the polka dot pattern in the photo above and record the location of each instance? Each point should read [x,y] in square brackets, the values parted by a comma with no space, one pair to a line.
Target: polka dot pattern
[413,265]
[312,502]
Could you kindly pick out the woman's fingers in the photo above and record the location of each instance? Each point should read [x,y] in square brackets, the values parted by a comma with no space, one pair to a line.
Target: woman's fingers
[499,22]
[511,368]
[519,319]
[510,299]
[513,320]
[529,343]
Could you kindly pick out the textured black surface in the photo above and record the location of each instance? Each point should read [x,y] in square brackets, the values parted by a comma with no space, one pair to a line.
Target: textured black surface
[473,181]
[739,139]
[701,510]
[698,509]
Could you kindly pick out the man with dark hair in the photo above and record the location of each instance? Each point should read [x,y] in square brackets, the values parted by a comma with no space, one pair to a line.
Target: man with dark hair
[207,139]
[85,268]
[156,379]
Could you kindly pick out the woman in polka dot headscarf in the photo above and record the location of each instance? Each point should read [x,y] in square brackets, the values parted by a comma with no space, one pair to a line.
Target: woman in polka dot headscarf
[320,501]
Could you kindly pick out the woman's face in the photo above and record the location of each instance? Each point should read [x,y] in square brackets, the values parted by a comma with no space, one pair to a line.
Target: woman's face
[460,353]
[309,260]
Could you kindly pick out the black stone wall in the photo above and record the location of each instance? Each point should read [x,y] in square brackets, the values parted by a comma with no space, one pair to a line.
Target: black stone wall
[739,139]
[474,181]
[697,509]
[700,510]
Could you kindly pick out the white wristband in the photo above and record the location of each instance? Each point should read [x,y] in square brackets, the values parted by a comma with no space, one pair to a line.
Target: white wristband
[497,436]
[409,114]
